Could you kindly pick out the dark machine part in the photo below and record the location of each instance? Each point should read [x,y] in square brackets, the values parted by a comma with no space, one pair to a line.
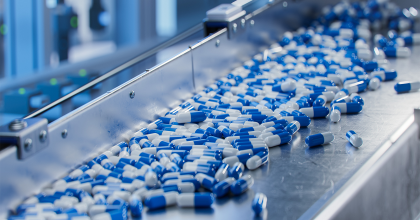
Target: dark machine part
[95,12]
[65,20]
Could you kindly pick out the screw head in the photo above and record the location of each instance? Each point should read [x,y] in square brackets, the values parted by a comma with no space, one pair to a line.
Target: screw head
[17,124]
[64,133]
[252,22]
[234,27]
[132,94]
[243,23]
[285,4]
[28,144]
[217,43]
[43,135]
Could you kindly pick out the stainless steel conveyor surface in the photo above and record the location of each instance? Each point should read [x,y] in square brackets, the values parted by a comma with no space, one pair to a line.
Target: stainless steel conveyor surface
[297,177]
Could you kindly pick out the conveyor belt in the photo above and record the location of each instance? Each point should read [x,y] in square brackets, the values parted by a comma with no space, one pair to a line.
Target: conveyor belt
[296,176]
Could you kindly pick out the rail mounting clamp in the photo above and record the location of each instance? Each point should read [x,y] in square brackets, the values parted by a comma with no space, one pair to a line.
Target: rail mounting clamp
[227,16]
[28,135]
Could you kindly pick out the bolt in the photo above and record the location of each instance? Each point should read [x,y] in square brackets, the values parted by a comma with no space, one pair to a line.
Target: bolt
[28,144]
[132,94]
[17,124]
[217,43]
[64,133]
[43,135]
[234,26]
[252,22]
[243,23]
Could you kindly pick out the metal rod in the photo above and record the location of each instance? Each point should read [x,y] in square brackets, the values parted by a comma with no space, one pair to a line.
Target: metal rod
[116,70]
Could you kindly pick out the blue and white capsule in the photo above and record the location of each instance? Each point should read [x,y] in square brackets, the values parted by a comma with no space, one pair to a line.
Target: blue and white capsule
[236,170]
[190,117]
[349,108]
[354,139]
[259,203]
[400,52]
[315,112]
[161,201]
[257,160]
[335,115]
[242,184]
[292,127]
[278,139]
[319,139]
[195,200]
[407,86]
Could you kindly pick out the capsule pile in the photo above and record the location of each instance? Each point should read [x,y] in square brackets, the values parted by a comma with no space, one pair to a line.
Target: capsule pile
[201,149]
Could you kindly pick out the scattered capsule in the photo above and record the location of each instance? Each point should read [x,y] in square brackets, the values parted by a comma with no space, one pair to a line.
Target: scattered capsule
[222,172]
[257,160]
[407,86]
[242,184]
[354,138]
[335,115]
[349,108]
[315,112]
[161,201]
[197,200]
[259,203]
[293,127]
[278,139]
[236,170]
[319,139]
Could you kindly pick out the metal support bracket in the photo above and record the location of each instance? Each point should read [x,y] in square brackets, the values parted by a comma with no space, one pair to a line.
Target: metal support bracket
[29,135]
[225,16]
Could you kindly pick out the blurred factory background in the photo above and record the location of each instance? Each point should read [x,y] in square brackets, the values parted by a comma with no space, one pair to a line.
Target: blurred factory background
[49,48]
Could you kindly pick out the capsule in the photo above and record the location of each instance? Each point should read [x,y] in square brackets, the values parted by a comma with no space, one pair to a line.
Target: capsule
[225,131]
[400,52]
[183,187]
[293,127]
[278,139]
[259,203]
[315,112]
[184,180]
[223,187]
[354,138]
[407,86]
[239,158]
[357,99]
[356,87]
[384,75]
[335,115]
[242,184]
[222,172]
[236,170]
[319,139]
[257,160]
[374,83]
[136,205]
[161,201]
[190,117]
[206,181]
[349,108]
[320,101]
[197,200]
